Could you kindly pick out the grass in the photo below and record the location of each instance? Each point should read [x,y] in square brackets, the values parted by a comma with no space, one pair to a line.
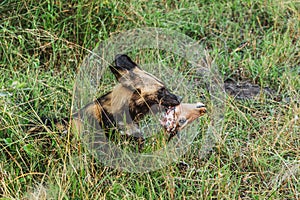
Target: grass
[257,154]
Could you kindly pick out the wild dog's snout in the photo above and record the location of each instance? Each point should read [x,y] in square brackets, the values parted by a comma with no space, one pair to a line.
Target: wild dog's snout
[167,98]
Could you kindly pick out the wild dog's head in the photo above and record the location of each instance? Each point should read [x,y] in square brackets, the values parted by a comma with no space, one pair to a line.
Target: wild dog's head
[147,90]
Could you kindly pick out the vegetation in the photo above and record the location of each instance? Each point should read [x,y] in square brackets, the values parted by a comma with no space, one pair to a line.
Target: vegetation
[43,43]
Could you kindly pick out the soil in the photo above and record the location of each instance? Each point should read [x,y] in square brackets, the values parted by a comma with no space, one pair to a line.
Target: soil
[242,90]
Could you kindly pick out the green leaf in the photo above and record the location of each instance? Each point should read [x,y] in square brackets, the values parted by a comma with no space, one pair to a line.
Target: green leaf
[28,148]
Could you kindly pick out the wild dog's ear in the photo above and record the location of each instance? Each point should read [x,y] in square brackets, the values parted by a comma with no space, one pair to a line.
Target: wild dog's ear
[122,65]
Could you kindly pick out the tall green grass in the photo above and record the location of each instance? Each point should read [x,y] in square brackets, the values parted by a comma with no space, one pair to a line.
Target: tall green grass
[42,44]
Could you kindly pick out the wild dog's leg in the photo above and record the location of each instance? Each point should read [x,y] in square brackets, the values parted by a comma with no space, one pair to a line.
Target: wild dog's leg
[133,131]
[137,134]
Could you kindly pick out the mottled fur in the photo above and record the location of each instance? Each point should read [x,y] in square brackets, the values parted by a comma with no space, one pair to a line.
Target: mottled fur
[135,95]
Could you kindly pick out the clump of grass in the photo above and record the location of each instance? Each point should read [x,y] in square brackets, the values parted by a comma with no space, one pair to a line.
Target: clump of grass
[257,152]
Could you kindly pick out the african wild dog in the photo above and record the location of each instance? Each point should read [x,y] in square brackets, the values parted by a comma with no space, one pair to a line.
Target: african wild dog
[123,107]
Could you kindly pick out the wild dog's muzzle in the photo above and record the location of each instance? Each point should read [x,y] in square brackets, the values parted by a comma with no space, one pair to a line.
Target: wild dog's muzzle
[168,99]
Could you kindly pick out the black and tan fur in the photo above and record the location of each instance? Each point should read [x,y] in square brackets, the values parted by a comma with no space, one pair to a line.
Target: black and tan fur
[123,107]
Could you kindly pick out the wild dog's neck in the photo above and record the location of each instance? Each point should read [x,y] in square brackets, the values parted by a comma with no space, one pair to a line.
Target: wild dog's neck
[120,98]
[123,100]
